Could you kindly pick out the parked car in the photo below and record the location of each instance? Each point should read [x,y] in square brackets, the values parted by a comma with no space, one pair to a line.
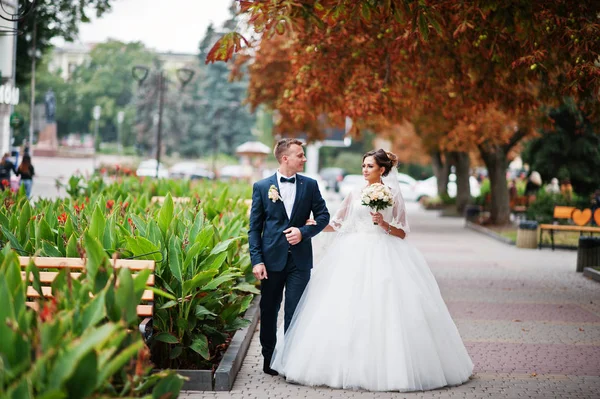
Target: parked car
[428,187]
[190,170]
[332,177]
[408,187]
[350,182]
[147,168]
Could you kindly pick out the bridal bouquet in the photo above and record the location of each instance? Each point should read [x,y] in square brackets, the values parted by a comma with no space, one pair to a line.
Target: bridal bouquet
[377,197]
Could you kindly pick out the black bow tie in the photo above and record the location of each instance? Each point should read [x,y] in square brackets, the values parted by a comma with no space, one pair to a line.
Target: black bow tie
[286,180]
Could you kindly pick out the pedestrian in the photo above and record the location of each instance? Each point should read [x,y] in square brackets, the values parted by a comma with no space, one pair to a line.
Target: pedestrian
[6,166]
[26,172]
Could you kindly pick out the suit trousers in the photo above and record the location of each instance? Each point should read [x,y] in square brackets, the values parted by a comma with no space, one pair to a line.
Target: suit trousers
[294,281]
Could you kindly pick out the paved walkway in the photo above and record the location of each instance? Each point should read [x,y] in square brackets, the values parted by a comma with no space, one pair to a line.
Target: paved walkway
[530,322]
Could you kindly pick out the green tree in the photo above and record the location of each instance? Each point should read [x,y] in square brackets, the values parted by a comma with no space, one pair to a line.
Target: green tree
[570,150]
[53,19]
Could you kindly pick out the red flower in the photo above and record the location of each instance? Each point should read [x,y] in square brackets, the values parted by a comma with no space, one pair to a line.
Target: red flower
[117,167]
[79,208]
[126,204]
[103,170]
[48,310]
[5,183]
[62,219]
[110,204]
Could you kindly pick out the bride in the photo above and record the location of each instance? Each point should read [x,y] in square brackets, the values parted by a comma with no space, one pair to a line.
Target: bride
[372,316]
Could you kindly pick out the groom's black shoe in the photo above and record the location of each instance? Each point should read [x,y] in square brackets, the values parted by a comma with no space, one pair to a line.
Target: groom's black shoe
[267,367]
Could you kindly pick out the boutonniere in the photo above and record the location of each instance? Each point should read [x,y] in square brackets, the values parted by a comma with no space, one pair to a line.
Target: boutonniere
[274,194]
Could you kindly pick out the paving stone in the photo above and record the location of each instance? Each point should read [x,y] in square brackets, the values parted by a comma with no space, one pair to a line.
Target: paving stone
[487,286]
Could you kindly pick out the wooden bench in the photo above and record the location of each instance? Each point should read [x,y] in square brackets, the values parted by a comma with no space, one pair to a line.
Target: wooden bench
[176,200]
[50,267]
[579,219]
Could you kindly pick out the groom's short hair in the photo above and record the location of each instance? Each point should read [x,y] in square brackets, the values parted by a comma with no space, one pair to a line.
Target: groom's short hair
[283,146]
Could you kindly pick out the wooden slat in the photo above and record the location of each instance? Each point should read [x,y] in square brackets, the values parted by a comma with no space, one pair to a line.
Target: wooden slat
[78,263]
[560,227]
[563,212]
[48,277]
[142,310]
[47,291]
[176,200]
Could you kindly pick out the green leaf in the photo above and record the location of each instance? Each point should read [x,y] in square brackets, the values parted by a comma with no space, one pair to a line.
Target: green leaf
[72,251]
[94,312]
[168,388]
[83,381]
[14,243]
[24,219]
[200,346]
[199,280]
[227,276]
[125,296]
[50,250]
[97,224]
[140,224]
[117,363]
[165,215]
[165,337]
[202,311]
[237,324]
[95,254]
[175,258]
[247,287]
[142,248]
[168,305]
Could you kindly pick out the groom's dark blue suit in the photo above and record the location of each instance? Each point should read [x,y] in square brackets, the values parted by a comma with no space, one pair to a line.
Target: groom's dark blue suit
[287,265]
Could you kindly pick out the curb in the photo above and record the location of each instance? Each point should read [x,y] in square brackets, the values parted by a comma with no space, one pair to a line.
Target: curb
[488,232]
[591,273]
[234,356]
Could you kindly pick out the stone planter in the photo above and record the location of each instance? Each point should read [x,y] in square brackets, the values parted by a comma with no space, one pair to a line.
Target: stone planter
[592,273]
[224,376]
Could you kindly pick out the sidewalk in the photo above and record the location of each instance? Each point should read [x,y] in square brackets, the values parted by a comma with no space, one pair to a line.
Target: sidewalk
[530,322]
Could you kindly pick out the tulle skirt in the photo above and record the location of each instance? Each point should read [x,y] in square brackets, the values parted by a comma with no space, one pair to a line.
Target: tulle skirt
[372,318]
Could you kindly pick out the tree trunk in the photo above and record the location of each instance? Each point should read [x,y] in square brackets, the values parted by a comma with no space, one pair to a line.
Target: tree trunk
[497,163]
[463,188]
[441,170]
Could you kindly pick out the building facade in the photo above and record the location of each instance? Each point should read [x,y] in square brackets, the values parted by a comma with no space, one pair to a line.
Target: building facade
[69,56]
[9,93]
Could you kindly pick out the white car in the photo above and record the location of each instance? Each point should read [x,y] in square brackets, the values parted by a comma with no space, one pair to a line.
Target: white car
[408,187]
[428,187]
[190,170]
[147,168]
[349,183]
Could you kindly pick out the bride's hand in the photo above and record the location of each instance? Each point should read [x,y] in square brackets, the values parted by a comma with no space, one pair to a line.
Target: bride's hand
[311,222]
[377,217]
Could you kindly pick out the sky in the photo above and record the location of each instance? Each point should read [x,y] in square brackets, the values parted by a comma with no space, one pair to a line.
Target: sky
[162,25]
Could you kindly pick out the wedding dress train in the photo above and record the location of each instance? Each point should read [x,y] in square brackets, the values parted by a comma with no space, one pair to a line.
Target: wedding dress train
[372,316]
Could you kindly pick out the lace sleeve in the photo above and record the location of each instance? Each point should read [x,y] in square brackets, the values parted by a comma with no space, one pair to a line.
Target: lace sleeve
[399,213]
[342,213]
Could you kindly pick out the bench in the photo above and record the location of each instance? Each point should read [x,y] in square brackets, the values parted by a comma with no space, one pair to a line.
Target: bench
[578,217]
[50,267]
[176,200]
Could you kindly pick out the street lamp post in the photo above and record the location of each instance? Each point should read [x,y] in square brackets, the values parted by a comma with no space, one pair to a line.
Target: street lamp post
[120,119]
[217,133]
[96,114]
[140,73]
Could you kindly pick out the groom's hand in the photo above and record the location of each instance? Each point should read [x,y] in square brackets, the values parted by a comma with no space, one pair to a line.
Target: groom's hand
[260,271]
[293,235]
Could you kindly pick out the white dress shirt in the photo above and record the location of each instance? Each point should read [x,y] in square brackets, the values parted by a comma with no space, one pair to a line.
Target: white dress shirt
[287,191]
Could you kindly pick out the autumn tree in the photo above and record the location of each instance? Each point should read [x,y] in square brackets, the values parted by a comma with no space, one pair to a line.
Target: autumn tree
[400,60]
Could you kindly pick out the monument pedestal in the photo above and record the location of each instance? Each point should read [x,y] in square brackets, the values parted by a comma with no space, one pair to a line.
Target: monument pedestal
[47,145]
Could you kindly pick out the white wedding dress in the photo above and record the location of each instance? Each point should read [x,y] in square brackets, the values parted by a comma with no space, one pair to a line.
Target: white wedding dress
[372,316]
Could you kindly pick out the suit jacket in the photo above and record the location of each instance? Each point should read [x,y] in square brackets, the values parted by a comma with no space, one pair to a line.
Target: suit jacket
[269,219]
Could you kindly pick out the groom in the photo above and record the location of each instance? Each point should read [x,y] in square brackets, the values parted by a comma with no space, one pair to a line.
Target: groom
[280,247]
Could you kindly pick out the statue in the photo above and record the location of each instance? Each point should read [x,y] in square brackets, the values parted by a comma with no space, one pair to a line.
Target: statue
[50,101]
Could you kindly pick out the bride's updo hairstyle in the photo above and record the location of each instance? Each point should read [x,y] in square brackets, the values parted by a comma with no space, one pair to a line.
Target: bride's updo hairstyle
[384,159]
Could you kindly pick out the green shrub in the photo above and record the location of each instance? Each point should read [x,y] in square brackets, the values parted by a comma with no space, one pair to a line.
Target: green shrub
[83,342]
